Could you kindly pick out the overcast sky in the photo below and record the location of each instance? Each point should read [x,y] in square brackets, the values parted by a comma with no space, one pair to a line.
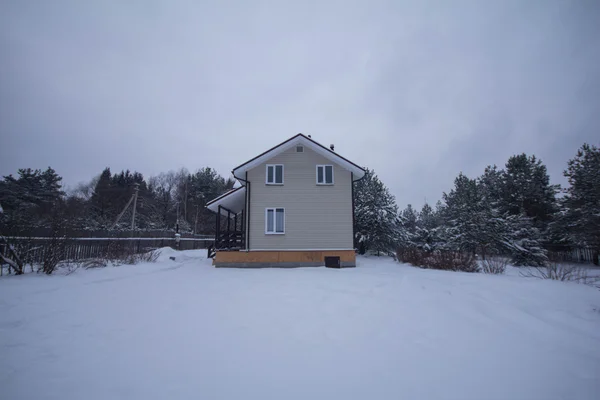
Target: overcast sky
[418,91]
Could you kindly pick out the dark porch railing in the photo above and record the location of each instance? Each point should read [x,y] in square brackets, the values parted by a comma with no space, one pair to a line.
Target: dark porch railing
[230,240]
[229,232]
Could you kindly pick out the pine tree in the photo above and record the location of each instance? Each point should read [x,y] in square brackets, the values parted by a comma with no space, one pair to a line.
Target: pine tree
[498,228]
[407,227]
[492,182]
[427,217]
[522,240]
[375,215]
[462,215]
[427,235]
[30,198]
[582,198]
[101,201]
[204,185]
[526,190]
[520,203]
[410,218]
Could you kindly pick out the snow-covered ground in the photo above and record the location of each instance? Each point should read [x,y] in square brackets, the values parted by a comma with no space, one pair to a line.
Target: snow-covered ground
[185,330]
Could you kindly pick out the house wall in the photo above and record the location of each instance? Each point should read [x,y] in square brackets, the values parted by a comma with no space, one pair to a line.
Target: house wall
[316,216]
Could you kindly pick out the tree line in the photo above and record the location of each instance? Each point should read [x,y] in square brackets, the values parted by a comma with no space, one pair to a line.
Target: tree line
[513,211]
[34,201]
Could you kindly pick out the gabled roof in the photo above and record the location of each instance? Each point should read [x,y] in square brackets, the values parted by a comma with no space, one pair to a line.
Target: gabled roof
[300,139]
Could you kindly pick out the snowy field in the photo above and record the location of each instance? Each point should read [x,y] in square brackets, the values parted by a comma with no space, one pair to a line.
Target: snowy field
[185,330]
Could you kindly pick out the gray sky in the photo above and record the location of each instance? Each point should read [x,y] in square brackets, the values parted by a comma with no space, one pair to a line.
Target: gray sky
[418,91]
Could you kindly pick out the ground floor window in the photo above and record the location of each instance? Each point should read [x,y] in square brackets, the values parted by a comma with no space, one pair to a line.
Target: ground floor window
[275,220]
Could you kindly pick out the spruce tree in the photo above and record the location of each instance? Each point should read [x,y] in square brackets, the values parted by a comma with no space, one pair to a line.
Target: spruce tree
[375,215]
[582,198]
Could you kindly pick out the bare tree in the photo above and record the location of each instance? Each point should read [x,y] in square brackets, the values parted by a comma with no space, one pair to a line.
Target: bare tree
[164,187]
[56,250]
[10,257]
[84,190]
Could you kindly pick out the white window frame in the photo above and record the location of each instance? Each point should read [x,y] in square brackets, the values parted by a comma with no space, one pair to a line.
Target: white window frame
[324,175]
[299,147]
[274,174]
[274,209]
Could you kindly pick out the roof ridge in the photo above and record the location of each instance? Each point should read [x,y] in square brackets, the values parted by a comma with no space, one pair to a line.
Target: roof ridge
[301,135]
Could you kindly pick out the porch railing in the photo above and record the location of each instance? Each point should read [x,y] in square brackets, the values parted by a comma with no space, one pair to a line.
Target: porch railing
[230,240]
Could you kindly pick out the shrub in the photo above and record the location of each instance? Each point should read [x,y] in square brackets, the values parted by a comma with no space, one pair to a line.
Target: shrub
[150,256]
[452,261]
[439,259]
[410,255]
[558,271]
[94,263]
[494,264]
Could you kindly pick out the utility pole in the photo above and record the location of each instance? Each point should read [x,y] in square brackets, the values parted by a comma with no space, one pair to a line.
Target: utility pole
[133,199]
[136,189]
[177,223]
[185,214]
[196,221]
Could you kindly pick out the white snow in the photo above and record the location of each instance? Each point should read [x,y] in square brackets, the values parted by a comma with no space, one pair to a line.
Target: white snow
[185,330]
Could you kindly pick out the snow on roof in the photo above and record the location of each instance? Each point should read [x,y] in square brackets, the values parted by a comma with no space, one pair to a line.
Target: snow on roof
[358,172]
[232,200]
[237,184]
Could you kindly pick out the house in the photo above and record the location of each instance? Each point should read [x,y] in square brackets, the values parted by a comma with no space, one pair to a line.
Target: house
[293,207]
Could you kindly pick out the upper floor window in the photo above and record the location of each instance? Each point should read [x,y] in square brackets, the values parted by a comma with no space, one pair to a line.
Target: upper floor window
[299,149]
[324,174]
[274,174]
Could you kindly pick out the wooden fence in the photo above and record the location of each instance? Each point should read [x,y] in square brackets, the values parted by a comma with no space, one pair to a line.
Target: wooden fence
[574,255]
[105,233]
[33,250]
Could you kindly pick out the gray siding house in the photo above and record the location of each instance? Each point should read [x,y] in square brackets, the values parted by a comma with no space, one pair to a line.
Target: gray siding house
[293,208]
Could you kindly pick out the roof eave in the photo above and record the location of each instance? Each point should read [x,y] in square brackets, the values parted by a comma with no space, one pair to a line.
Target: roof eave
[228,193]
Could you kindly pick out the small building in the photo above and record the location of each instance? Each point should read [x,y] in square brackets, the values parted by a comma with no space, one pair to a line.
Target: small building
[293,207]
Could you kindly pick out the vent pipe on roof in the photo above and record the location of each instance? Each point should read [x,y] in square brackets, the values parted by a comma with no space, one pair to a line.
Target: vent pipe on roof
[309,136]
[331,147]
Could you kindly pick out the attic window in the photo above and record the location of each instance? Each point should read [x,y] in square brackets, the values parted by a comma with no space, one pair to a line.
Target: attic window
[299,149]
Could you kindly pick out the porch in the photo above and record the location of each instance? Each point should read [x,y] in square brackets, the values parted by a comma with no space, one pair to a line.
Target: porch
[230,227]
[229,230]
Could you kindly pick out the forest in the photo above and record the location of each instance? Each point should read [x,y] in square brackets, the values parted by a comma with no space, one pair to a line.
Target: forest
[35,203]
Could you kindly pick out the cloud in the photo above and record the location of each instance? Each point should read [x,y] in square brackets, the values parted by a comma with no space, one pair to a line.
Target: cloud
[419,91]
